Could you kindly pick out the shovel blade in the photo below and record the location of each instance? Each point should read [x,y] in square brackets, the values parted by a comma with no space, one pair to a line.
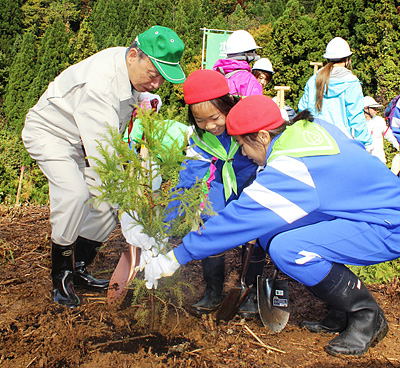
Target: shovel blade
[123,274]
[272,298]
[227,309]
[231,303]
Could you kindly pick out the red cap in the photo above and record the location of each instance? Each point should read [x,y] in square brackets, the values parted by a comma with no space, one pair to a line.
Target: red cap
[252,114]
[204,85]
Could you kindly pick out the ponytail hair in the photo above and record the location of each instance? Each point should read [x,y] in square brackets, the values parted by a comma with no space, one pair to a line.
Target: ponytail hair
[322,83]
[303,115]
[322,80]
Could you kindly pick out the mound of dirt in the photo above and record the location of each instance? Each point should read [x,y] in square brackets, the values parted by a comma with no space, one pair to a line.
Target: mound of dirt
[35,332]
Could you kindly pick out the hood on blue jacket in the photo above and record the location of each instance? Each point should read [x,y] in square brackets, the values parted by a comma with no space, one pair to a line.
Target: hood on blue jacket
[339,81]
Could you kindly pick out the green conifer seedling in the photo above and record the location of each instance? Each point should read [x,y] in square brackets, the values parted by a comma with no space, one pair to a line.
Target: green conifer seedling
[128,180]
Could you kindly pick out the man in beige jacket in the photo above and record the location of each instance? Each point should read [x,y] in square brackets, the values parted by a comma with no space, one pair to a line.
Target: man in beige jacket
[61,133]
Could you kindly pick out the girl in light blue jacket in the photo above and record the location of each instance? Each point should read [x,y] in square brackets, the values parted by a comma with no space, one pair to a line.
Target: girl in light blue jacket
[334,94]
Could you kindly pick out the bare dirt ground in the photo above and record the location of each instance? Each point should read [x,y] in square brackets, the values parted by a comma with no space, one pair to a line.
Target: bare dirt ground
[34,332]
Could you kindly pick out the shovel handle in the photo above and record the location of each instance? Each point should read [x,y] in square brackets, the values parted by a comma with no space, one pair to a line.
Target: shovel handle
[275,274]
[249,247]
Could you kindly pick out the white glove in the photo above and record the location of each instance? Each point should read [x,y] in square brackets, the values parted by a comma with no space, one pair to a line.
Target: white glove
[369,148]
[160,266]
[133,233]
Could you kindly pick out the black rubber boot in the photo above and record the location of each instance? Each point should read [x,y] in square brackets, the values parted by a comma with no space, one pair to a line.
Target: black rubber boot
[249,308]
[62,258]
[334,321]
[366,323]
[85,253]
[214,275]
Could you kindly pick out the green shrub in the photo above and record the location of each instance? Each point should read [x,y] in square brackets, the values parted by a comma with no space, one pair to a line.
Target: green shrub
[13,156]
[377,274]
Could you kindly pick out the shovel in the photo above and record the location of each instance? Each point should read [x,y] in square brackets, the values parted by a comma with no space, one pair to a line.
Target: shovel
[129,261]
[235,297]
[273,302]
[123,274]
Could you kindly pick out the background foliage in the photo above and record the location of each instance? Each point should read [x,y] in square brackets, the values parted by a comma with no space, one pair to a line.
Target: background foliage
[40,38]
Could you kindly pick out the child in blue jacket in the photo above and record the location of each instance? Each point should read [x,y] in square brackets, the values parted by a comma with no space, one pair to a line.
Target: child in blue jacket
[335,95]
[218,159]
[320,203]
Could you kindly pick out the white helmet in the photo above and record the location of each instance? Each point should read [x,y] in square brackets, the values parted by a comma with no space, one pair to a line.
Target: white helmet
[370,102]
[337,48]
[240,41]
[263,64]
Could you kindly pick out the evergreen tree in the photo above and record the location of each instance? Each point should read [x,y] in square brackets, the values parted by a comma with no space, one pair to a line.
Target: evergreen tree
[377,44]
[22,73]
[83,44]
[261,10]
[40,14]
[53,57]
[293,45]
[309,5]
[143,16]
[240,20]
[224,7]
[338,18]
[267,10]
[188,21]
[109,21]
[64,11]
[34,12]
[278,7]
[263,37]
[10,25]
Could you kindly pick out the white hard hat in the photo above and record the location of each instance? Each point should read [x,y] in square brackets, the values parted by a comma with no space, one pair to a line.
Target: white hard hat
[337,48]
[370,102]
[263,64]
[240,41]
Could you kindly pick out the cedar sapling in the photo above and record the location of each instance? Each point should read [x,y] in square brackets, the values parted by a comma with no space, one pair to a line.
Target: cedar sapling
[128,177]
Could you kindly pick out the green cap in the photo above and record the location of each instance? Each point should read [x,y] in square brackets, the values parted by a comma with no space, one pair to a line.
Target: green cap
[164,48]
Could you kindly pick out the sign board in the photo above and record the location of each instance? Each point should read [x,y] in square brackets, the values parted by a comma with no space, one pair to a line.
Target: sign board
[214,46]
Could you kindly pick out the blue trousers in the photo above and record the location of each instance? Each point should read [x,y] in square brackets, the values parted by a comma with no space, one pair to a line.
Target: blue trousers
[306,253]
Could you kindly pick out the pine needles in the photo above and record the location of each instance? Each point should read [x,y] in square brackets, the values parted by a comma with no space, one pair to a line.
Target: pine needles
[141,185]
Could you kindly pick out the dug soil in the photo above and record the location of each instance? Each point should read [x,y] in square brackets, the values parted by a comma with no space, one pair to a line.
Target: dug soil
[35,332]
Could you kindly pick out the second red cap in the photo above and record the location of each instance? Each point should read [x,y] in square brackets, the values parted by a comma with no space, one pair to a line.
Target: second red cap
[252,114]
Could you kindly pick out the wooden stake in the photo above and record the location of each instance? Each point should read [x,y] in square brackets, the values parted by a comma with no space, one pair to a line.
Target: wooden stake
[281,95]
[316,65]
[21,175]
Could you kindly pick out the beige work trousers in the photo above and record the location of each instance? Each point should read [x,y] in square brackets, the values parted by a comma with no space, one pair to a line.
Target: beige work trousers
[73,212]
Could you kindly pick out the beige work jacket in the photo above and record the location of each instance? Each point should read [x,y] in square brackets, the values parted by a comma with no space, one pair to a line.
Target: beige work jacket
[83,101]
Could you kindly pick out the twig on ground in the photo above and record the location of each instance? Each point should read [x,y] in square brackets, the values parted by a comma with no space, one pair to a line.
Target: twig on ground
[43,267]
[97,300]
[195,351]
[390,360]
[31,361]
[97,346]
[8,282]
[261,342]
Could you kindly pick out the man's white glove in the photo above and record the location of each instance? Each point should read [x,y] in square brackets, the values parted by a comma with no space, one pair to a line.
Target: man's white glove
[133,233]
[160,266]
